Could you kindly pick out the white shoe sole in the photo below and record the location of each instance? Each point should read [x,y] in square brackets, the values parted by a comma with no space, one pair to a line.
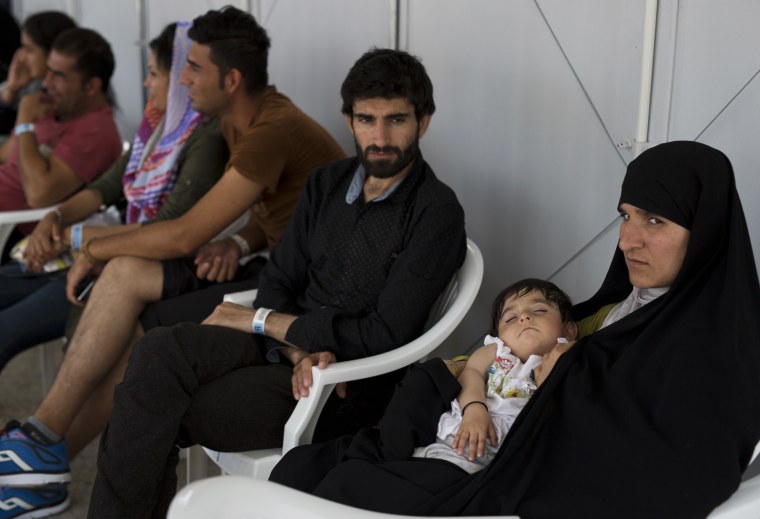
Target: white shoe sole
[46,512]
[34,479]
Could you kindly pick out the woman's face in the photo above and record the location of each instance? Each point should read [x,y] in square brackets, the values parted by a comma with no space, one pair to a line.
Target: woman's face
[654,247]
[157,83]
[35,56]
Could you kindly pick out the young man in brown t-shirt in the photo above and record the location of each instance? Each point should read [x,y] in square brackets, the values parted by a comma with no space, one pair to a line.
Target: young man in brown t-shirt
[273,147]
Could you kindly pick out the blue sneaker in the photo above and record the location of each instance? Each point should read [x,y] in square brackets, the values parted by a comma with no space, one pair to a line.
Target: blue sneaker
[24,462]
[28,503]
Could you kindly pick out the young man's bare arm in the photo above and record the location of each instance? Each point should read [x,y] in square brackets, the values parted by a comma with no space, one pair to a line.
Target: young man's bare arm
[226,201]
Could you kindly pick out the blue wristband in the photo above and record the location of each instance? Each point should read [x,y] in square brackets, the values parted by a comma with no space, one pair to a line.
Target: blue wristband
[76,236]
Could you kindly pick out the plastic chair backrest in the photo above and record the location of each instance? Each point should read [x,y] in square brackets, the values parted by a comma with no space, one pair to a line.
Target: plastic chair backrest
[9,219]
[446,314]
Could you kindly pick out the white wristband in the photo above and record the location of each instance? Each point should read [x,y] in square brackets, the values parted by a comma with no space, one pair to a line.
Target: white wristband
[245,250]
[259,318]
[23,128]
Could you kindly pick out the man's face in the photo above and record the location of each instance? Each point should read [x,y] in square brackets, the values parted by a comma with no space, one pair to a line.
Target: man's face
[201,76]
[386,133]
[63,85]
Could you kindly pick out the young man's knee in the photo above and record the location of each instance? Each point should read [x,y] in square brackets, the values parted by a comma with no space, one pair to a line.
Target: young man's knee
[132,278]
[130,271]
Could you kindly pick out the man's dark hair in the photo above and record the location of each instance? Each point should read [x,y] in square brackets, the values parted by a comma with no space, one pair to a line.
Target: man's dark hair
[163,47]
[553,294]
[91,52]
[389,74]
[43,27]
[236,41]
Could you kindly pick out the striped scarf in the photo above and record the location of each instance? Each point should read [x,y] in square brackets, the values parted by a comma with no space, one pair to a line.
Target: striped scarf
[151,172]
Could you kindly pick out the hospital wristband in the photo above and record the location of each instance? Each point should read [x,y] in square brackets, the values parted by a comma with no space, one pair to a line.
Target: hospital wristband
[23,128]
[474,402]
[245,249]
[257,325]
[76,236]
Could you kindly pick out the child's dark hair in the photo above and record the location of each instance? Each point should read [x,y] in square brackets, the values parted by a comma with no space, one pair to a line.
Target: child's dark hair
[551,292]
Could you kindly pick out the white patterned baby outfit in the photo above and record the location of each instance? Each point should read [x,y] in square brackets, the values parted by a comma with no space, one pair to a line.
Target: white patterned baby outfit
[510,384]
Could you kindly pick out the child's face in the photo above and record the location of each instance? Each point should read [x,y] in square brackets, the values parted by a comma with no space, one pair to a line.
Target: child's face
[530,325]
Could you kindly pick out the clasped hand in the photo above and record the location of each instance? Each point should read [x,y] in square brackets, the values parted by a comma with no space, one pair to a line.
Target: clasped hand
[217,261]
[44,243]
[302,364]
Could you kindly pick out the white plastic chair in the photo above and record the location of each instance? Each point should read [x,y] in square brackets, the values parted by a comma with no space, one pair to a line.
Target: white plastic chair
[446,314]
[237,497]
[49,357]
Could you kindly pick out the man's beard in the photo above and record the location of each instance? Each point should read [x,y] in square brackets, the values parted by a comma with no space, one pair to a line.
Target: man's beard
[387,168]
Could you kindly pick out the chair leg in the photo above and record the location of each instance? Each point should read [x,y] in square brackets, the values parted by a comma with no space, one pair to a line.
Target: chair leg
[50,359]
[197,464]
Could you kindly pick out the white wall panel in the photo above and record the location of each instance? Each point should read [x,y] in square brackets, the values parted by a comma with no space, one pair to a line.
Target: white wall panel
[516,136]
[162,13]
[602,41]
[313,46]
[716,55]
[23,9]
[707,86]
[117,22]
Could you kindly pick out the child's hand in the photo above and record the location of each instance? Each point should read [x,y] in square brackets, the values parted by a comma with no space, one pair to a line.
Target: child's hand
[475,428]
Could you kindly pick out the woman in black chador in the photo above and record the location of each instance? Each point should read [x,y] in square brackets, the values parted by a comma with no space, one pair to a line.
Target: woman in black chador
[656,414]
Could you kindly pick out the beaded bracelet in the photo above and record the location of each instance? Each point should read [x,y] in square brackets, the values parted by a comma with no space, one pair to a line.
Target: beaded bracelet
[474,402]
[259,318]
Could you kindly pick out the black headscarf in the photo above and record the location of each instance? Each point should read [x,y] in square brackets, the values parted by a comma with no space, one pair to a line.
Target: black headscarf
[657,414]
